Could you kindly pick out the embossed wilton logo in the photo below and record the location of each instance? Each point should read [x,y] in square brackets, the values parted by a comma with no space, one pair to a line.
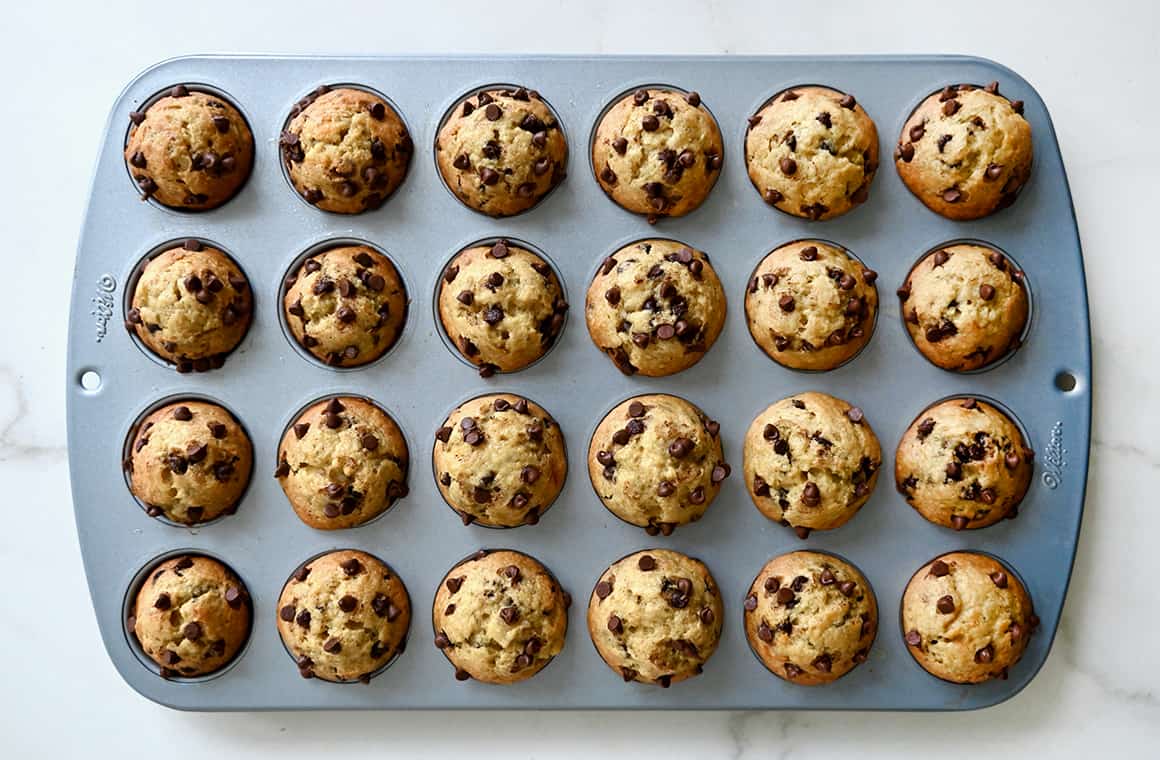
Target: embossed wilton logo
[1054,457]
[103,304]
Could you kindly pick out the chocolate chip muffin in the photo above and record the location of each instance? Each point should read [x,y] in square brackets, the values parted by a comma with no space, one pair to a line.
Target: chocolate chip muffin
[966,618]
[655,617]
[811,462]
[501,305]
[655,307]
[966,151]
[963,463]
[344,616]
[655,461]
[345,150]
[343,462]
[346,306]
[189,462]
[965,306]
[191,305]
[810,617]
[191,616]
[500,617]
[499,461]
[189,150]
[501,150]
[811,305]
[812,152]
[658,152]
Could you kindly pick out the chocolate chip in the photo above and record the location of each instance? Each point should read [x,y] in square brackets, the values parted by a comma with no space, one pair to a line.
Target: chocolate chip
[994,171]
[620,145]
[855,415]
[938,568]
[999,578]
[720,472]
[192,631]
[824,118]
[665,488]
[352,566]
[647,563]
[786,303]
[809,253]
[811,495]
[913,638]
[985,655]
[959,522]
[788,166]
[951,107]
[945,604]
[986,292]
[925,428]
[905,152]
[650,123]
[916,132]
[952,195]
[182,414]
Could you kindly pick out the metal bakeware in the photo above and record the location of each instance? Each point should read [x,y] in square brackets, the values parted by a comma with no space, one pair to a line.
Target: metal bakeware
[266,227]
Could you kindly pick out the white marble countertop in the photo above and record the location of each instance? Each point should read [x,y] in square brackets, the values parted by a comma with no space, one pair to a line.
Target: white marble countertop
[1095,68]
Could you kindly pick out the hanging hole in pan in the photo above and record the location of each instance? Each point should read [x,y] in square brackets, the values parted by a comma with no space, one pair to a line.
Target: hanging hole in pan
[89,380]
[1066,381]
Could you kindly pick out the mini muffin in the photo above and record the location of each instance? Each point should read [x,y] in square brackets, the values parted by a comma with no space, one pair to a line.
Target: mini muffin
[811,462]
[812,152]
[500,151]
[658,152]
[346,150]
[655,307]
[810,617]
[344,616]
[499,461]
[965,306]
[189,462]
[963,464]
[966,618]
[811,305]
[966,151]
[191,616]
[191,306]
[189,150]
[346,305]
[655,617]
[655,461]
[502,306]
[343,462]
[500,617]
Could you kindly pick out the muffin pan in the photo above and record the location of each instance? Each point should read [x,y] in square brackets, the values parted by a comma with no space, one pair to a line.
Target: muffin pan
[267,227]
